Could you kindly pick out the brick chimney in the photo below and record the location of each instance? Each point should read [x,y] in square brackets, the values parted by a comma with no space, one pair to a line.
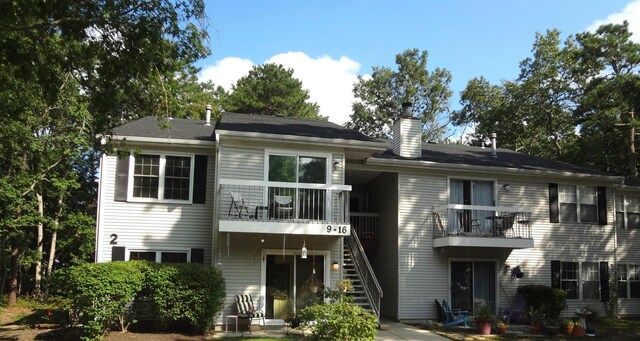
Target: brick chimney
[407,134]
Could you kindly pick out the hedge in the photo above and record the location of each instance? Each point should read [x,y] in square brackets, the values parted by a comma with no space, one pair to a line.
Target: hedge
[107,295]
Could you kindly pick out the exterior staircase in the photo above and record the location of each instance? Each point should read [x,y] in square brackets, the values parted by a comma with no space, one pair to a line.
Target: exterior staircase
[366,289]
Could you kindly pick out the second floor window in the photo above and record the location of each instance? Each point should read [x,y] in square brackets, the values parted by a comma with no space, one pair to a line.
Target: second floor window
[578,203]
[298,168]
[628,281]
[162,177]
[628,212]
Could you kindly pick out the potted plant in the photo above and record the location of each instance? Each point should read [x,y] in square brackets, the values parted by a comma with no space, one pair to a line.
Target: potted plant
[566,327]
[293,320]
[578,329]
[482,316]
[536,317]
[501,327]
[516,272]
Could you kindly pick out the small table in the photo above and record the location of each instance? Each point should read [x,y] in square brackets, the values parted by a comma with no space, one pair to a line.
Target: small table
[235,317]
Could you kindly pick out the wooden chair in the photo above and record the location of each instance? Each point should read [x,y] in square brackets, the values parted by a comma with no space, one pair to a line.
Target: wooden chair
[453,317]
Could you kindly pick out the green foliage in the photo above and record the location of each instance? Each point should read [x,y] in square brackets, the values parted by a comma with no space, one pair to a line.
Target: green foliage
[482,313]
[547,301]
[189,293]
[380,97]
[105,295]
[270,89]
[339,321]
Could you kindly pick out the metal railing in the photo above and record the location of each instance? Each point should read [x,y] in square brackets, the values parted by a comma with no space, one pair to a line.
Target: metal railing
[481,221]
[370,283]
[283,202]
[365,224]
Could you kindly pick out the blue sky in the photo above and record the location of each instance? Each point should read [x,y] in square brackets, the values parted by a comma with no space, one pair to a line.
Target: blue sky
[328,43]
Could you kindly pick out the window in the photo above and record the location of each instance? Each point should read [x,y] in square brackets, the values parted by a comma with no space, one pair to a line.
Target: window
[301,169]
[634,281]
[162,256]
[590,281]
[569,279]
[628,212]
[622,281]
[578,202]
[162,177]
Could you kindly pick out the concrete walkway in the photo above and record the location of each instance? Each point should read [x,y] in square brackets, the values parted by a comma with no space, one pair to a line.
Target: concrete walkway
[394,331]
[389,331]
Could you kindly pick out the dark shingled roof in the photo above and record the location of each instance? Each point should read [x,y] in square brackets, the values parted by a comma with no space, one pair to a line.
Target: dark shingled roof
[288,126]
[180,128]
[477,156]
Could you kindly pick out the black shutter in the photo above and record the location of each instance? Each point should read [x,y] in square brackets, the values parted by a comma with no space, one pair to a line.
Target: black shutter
[200,180]
[117,253]
[553,203]
[602,205]
[197,256]
[555,274]
[122,177]
[604,282]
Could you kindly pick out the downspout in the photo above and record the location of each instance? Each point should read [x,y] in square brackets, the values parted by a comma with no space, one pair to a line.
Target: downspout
[214,236]
[615,244]
[97,252]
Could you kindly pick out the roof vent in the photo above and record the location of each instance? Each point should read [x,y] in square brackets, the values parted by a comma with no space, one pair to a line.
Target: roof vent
[494,152]
[407,109]
[207,118]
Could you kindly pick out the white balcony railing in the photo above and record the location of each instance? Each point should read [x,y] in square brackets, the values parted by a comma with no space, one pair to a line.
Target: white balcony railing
[283,202]
[481,221]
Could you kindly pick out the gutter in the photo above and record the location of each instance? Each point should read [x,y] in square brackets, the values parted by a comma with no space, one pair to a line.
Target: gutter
[419,164]
[306,140]
[162,140]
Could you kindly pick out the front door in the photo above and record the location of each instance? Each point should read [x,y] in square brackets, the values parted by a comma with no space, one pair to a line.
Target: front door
[473,282]
[292,283]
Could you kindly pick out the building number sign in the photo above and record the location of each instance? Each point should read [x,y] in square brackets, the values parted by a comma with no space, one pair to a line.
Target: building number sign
[340,229]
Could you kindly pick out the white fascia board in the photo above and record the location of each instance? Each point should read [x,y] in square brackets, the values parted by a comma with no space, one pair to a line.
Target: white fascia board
[495,170]
[162,141]
[306,140]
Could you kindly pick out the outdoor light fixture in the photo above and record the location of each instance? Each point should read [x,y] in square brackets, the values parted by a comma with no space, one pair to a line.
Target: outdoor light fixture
[335,266]
[304,251]
[507,187]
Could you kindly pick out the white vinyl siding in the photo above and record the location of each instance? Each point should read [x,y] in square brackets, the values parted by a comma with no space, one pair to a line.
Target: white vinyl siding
[153,226]
[241,163]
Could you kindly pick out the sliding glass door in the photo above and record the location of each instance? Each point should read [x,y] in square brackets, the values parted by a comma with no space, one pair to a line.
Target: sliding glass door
[473,282]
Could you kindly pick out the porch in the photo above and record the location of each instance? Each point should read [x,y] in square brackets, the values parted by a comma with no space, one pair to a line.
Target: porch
[482,226]
[283,208]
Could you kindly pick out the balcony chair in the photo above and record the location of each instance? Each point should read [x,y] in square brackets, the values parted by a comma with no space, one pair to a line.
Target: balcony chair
[437,221]
[237,202]
[506,223]
[453,317]
[283,206]
[467,223]
[246,309]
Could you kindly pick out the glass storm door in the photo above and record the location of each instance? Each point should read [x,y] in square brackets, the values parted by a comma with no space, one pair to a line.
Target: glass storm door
[473,283]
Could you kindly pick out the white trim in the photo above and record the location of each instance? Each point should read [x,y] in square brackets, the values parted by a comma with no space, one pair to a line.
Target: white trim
[162,140]
[239,182]
[496,243]
[161,177]
[100,209]
[483,208]
[306,140]
[489,169]
[259,226]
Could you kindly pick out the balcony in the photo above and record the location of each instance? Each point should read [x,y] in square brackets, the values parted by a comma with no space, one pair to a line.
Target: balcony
[366,227]
[482,226]
[283,208]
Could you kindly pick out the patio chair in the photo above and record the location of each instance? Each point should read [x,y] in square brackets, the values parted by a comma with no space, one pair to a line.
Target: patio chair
[467,223]
[453,317]
[246,309]
[237,202]
[283,206]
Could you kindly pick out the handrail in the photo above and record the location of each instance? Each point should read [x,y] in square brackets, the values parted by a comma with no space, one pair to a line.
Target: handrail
[367,276]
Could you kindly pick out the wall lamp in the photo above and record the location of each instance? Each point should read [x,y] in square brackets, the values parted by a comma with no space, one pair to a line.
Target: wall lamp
[507,187]
[335,266]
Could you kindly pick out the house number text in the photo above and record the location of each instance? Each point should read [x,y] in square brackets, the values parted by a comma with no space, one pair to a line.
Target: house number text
[341,229]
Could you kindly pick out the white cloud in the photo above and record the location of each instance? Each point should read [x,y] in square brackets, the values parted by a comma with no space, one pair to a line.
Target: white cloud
[226,72]
[631,13]
[329,81]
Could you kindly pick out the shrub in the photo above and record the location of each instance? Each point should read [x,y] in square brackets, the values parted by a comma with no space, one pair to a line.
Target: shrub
[104,295]
[339,321]
[550,302]
[99,294]
[189,293]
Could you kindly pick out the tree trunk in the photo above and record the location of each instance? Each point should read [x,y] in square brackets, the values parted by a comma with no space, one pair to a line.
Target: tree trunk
[54,239]
[3,267]
[13,275]
[40,237]
[633,157]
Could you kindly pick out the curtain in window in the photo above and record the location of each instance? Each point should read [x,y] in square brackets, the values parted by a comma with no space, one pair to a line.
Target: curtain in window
[483,196]
[456,196]
[588,204]
[568,200]
[485,284]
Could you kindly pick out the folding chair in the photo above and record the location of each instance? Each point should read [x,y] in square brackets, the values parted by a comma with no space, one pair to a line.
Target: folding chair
[237,202]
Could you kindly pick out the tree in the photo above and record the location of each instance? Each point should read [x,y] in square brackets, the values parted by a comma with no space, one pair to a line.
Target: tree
[380,97]
[608,71]
[70,70]
[270,89]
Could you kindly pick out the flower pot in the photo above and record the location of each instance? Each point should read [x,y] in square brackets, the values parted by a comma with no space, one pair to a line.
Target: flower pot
[578,331]
[483,327]
[535,328]
[313,289]
[567,330]
[501,330]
